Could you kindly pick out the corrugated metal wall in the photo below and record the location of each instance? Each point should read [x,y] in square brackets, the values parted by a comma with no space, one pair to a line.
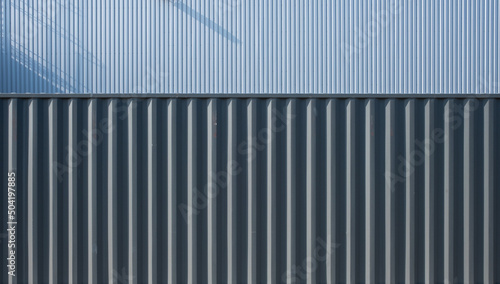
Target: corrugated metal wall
[243,46]
[252,190]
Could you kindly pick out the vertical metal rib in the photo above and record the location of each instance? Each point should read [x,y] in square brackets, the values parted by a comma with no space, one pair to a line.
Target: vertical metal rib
[351,193]
[410,191]
[112,194]
[271,192]
[32,193]
[311,188]
[390,182]
[469,191]
[448,192]
[291,191]
[212,190]
[488,192]
[252,192]
[92,198]
[72,193]
[192,191]
[53,242]
[232,213]
[171,188]
[152,191]
[12,156]
[132,191]
[331,190]
[370,191]
[429,190]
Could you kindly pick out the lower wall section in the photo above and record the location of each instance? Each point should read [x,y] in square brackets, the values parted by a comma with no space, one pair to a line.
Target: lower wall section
[252,190]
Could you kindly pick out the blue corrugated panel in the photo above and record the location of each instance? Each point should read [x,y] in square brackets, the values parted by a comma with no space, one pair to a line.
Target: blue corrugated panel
[242,46]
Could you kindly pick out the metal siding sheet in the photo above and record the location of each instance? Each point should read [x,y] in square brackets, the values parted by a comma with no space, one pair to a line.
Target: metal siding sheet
[241,46]
[250,190]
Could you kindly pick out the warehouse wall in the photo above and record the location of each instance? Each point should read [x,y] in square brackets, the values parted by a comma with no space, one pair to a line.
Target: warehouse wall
[237,190]
[242,46]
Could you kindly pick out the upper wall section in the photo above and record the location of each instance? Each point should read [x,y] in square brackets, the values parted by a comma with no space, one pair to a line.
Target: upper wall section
[250,46]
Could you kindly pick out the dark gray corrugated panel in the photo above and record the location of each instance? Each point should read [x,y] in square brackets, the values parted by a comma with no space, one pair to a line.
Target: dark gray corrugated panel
[253,190]
[244,46]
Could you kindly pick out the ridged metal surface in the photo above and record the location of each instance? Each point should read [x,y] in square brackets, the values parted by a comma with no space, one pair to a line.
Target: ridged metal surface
[242,46]
[234,190]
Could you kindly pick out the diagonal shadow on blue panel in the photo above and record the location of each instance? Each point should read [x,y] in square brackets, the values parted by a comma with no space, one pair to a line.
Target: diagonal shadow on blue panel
[206,21]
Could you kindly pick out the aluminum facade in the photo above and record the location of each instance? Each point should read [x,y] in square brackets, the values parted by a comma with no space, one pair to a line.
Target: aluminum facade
[253,190]
[243,46]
